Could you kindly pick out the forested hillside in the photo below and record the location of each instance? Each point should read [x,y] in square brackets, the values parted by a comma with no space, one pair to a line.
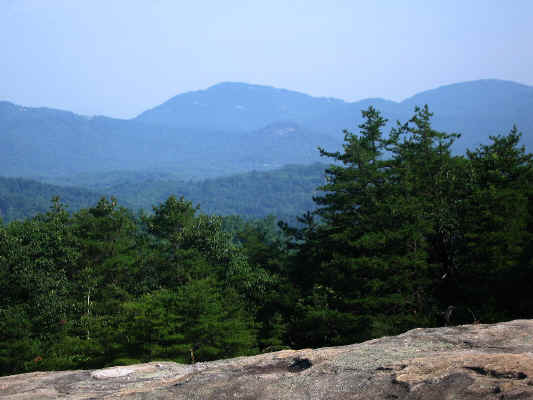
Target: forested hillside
[23,198]
[284,193]
[406,234]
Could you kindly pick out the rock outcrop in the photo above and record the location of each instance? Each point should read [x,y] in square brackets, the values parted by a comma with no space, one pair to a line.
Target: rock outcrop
[462,362]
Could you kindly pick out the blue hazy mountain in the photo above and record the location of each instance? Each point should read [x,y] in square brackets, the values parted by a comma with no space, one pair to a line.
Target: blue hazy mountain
[477,109]
[241,107]
[42,141]
[480,108]
[237,127]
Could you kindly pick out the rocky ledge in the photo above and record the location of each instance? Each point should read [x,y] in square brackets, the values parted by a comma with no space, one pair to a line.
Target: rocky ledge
[462,362]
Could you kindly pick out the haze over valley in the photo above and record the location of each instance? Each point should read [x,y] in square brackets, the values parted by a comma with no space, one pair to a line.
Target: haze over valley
[228,129]
[231,128]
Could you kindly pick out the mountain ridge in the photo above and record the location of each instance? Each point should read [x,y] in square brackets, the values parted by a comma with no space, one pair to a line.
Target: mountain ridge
[214,132]
[237,83]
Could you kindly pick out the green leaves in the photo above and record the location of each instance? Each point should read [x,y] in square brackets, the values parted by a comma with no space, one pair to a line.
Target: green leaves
[194,323]
[403,230]
[406,228]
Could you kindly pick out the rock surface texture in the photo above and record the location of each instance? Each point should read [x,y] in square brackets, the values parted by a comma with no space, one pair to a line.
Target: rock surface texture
[462,362]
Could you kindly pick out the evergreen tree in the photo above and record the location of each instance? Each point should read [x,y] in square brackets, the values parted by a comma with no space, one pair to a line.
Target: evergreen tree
[384,233]
[194,323]
[496,263]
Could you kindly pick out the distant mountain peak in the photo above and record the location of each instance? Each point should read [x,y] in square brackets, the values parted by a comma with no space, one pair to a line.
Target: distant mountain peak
[236,107]
[485,82]
[481,87]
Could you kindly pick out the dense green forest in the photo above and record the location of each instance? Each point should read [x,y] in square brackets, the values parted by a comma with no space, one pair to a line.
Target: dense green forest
[403,230]
[22,198]
[285,192]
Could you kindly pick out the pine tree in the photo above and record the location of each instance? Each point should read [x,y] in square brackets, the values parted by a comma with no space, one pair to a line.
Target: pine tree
[496,263]
[388,230]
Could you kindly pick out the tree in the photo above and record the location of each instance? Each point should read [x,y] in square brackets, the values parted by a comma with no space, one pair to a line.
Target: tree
[185,236]
[194,323]
[383,233]
[329,257]
[496,264]
[34,258]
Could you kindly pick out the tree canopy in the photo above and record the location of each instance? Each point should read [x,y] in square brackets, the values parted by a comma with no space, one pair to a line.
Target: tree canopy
[405,234]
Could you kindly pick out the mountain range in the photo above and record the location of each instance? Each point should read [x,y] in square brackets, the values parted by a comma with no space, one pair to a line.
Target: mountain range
[237,127]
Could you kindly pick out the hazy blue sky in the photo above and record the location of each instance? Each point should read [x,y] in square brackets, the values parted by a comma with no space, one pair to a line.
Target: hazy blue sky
[120,57]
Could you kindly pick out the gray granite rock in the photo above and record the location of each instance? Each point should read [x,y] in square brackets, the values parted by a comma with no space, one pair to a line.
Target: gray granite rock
[463,362]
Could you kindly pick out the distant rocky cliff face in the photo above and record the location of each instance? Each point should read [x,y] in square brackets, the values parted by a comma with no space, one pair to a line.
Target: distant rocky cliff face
[463,362]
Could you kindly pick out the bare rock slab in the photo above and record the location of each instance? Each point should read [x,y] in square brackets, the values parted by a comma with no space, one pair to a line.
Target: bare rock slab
[464,362]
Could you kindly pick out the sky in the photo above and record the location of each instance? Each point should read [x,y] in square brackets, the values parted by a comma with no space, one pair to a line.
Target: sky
[121,57]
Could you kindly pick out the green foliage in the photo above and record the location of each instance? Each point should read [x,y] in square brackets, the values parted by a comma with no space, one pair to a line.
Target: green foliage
[284,192]
[403,229]
[23,198]
[101,287]
[195,323]
[496,264]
